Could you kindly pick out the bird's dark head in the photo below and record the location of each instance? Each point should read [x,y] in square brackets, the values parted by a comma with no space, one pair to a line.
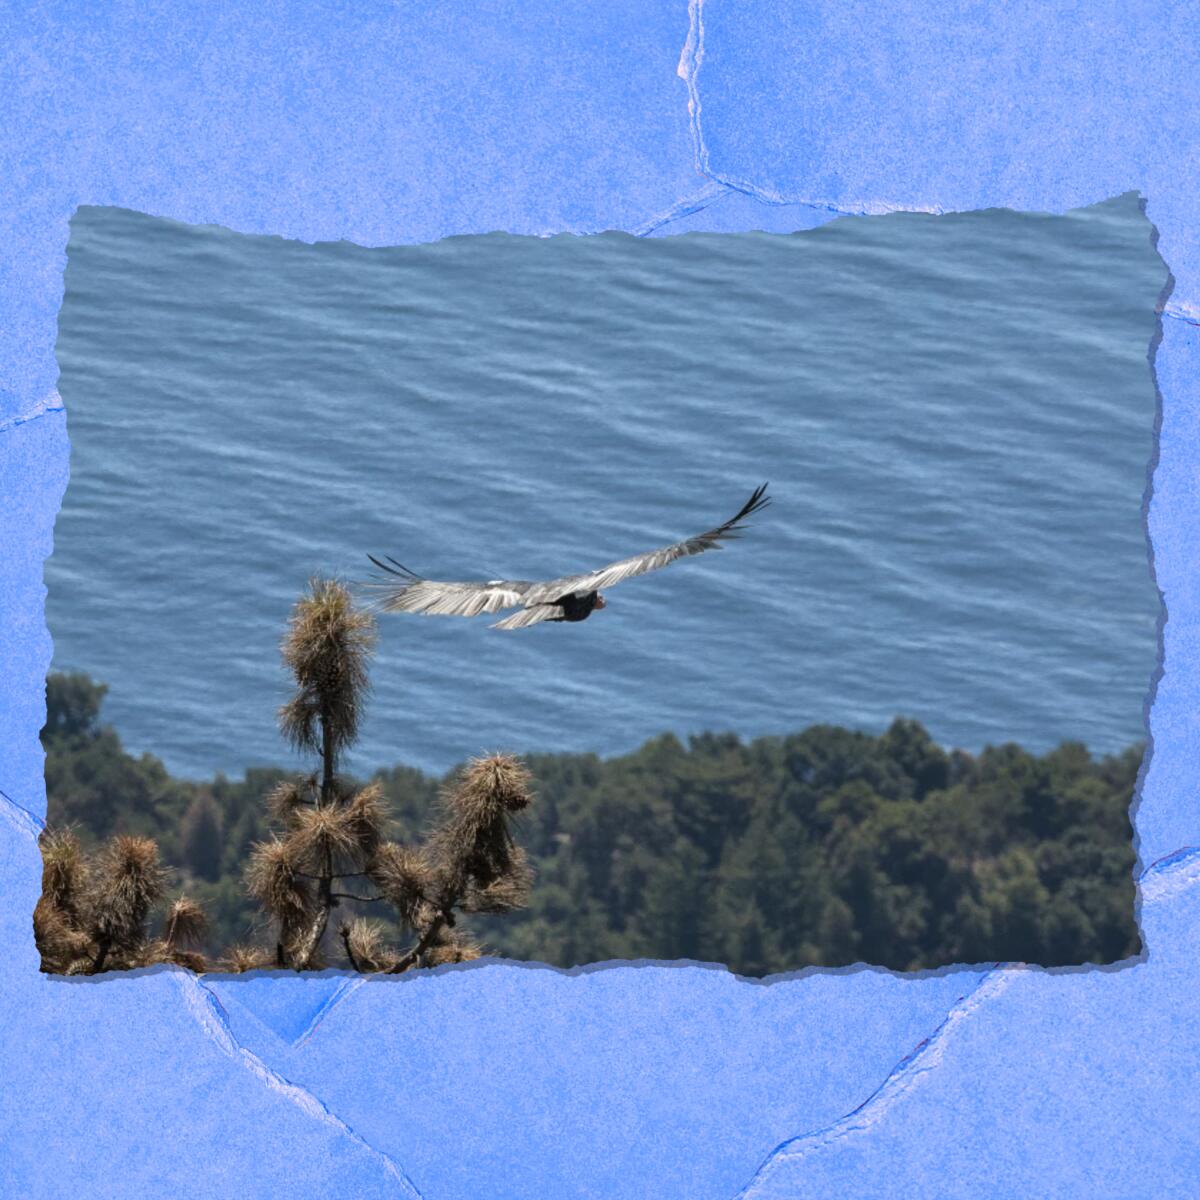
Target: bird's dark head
[600,603]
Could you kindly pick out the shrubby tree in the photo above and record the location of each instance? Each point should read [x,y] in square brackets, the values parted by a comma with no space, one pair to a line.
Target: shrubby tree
[330,846]
[94,912]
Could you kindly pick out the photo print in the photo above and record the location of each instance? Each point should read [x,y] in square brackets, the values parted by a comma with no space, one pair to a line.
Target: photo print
[898,719]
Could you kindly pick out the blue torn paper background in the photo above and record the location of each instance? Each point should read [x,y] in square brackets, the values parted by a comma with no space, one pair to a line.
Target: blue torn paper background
[393,123]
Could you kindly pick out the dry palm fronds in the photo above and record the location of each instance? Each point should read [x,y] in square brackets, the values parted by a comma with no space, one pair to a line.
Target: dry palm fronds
[490,787]
[185,925]
[59,941]
[473,845]
[333,830]
[161,951]
[290,797]
[321,836]
[60,918]
[64,870]
[452,946]
[506,893]
[241,958]
[271,877]
[327,647]
[129,881]
[405,878]
[82,929]
[366,946]
[368,815]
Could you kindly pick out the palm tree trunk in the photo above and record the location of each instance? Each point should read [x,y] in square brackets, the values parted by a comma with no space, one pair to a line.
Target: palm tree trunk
[316,932]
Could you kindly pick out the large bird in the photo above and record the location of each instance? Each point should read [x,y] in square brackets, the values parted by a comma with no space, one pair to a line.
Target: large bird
[571,598]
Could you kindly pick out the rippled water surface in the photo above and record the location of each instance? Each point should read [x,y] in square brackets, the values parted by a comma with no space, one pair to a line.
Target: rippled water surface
[955,413]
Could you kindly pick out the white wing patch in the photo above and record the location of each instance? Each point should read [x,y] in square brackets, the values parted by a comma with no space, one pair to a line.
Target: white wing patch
[450,599]
[613,574]
[529,616]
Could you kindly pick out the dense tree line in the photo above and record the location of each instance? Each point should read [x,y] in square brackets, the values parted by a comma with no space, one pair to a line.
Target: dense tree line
[822,847]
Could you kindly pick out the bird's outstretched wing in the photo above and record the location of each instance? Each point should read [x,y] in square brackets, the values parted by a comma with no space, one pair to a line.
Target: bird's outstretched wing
[415,594]
[537,600]
[639,564]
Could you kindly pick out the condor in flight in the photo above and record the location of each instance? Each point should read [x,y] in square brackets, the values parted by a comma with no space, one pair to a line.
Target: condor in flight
[571,598]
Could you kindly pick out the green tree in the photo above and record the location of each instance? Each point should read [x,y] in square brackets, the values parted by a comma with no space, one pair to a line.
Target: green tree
[72,706]
[201,842]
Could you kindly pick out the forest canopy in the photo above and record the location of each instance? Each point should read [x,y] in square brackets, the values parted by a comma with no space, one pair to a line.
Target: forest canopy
[827,846]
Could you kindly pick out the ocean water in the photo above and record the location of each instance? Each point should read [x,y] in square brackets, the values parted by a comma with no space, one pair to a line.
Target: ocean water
[955,414]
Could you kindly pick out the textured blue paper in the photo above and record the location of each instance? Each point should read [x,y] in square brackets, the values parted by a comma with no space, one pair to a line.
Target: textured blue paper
[400,122]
